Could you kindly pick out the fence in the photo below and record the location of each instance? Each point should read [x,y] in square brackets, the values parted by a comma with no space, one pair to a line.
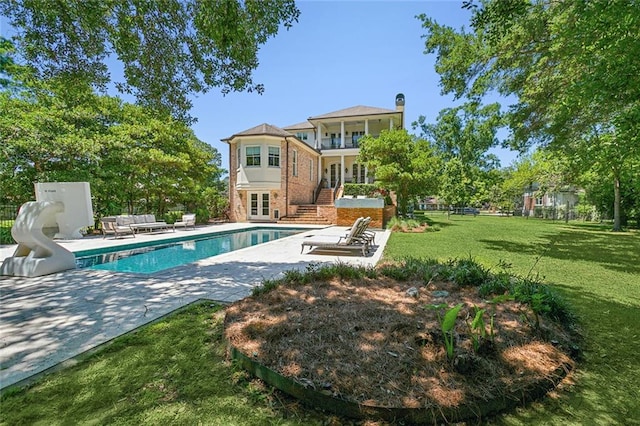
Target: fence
[8,213]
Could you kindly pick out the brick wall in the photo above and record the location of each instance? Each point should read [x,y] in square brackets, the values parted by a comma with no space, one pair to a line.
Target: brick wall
[388,213]
[330,212]
[299,189]
[237,211]
[300,186]
[346,216]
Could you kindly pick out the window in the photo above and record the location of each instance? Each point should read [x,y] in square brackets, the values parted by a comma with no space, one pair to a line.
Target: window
[336,140]
[253,155]
[311,170]
[254,204]
[302,136]
[538,201]
[295,163]
[355,138]
[274,156]
[359,172]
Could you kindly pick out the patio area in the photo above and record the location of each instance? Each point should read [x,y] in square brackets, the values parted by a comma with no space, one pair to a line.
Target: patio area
[47,320]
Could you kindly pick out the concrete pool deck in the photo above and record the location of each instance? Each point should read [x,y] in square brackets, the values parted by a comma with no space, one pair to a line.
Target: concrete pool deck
[50,319]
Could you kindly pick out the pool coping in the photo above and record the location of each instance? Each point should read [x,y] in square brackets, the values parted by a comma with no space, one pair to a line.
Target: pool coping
[47,320]
[171,240]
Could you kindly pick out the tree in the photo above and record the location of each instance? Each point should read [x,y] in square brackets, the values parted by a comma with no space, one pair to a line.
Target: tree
[133,160]
[596,182]
[465,134]
[571,65]
[400,163]
[517,178]
[455,185]
[168,49]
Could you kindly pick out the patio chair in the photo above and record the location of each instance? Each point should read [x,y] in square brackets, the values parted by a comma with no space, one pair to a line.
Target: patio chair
[187,220]
[110,226]
[364,233]
[352,241]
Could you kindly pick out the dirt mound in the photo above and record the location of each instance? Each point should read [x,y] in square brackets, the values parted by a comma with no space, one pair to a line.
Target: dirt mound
[373,343]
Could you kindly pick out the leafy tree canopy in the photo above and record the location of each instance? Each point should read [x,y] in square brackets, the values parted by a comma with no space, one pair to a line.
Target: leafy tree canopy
[401,163]
[168,49]
[461,137]
[572,66]
[133,160]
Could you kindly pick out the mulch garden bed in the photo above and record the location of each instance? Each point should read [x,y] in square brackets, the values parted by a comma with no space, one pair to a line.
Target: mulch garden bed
[370,343]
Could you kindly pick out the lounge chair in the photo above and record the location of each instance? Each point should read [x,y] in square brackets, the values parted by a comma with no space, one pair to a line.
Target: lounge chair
[110,226]
[352,241]
[187,220]
[363,233]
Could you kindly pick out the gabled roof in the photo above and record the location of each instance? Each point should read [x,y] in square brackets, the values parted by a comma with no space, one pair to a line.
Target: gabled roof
[355,111]
[300,126]
[260,130]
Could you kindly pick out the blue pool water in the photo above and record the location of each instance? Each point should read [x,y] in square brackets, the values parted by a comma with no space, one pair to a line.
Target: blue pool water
[151,259]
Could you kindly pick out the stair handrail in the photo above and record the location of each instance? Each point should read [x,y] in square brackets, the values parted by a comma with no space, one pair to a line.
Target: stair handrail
[336,189]
[316,192]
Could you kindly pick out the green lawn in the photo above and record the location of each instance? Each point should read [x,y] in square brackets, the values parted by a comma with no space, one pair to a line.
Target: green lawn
[175,371]
[599,273]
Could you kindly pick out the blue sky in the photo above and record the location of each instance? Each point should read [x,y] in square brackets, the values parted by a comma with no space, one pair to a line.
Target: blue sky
[340,54]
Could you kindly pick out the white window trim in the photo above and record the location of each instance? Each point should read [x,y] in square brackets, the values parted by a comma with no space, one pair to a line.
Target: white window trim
[294,163]
[259,155]
[269,156]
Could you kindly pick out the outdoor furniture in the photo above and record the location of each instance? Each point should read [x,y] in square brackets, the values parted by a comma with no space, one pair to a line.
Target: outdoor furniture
[110,226]
[364,234]
[352,241]
[187,220]
[142,222]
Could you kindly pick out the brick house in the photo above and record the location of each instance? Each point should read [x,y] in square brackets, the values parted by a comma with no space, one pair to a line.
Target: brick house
[293,173]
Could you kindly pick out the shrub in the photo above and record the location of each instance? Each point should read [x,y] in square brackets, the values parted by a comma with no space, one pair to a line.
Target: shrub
[495,284]
[463,272]
[173,216]
[355,189]
[5,234]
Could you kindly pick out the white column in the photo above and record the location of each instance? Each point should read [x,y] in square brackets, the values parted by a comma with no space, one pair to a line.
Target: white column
[320,170]
[319,138]
[366,126]
[342,170]
[342,134]
[391,124]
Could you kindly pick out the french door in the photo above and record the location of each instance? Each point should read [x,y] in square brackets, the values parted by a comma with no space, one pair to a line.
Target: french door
[259,206]
[334,174]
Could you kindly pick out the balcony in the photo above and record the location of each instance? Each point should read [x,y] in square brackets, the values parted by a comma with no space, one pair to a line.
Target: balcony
[350,142]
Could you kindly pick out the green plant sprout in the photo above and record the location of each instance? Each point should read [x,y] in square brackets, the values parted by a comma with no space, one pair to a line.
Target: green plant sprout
[448,324]
[477,327]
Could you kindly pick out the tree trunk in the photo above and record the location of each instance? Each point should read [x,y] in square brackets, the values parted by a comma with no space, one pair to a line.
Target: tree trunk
[617,224]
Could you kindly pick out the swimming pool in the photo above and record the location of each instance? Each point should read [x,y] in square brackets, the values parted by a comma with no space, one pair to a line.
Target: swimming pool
[156,258]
